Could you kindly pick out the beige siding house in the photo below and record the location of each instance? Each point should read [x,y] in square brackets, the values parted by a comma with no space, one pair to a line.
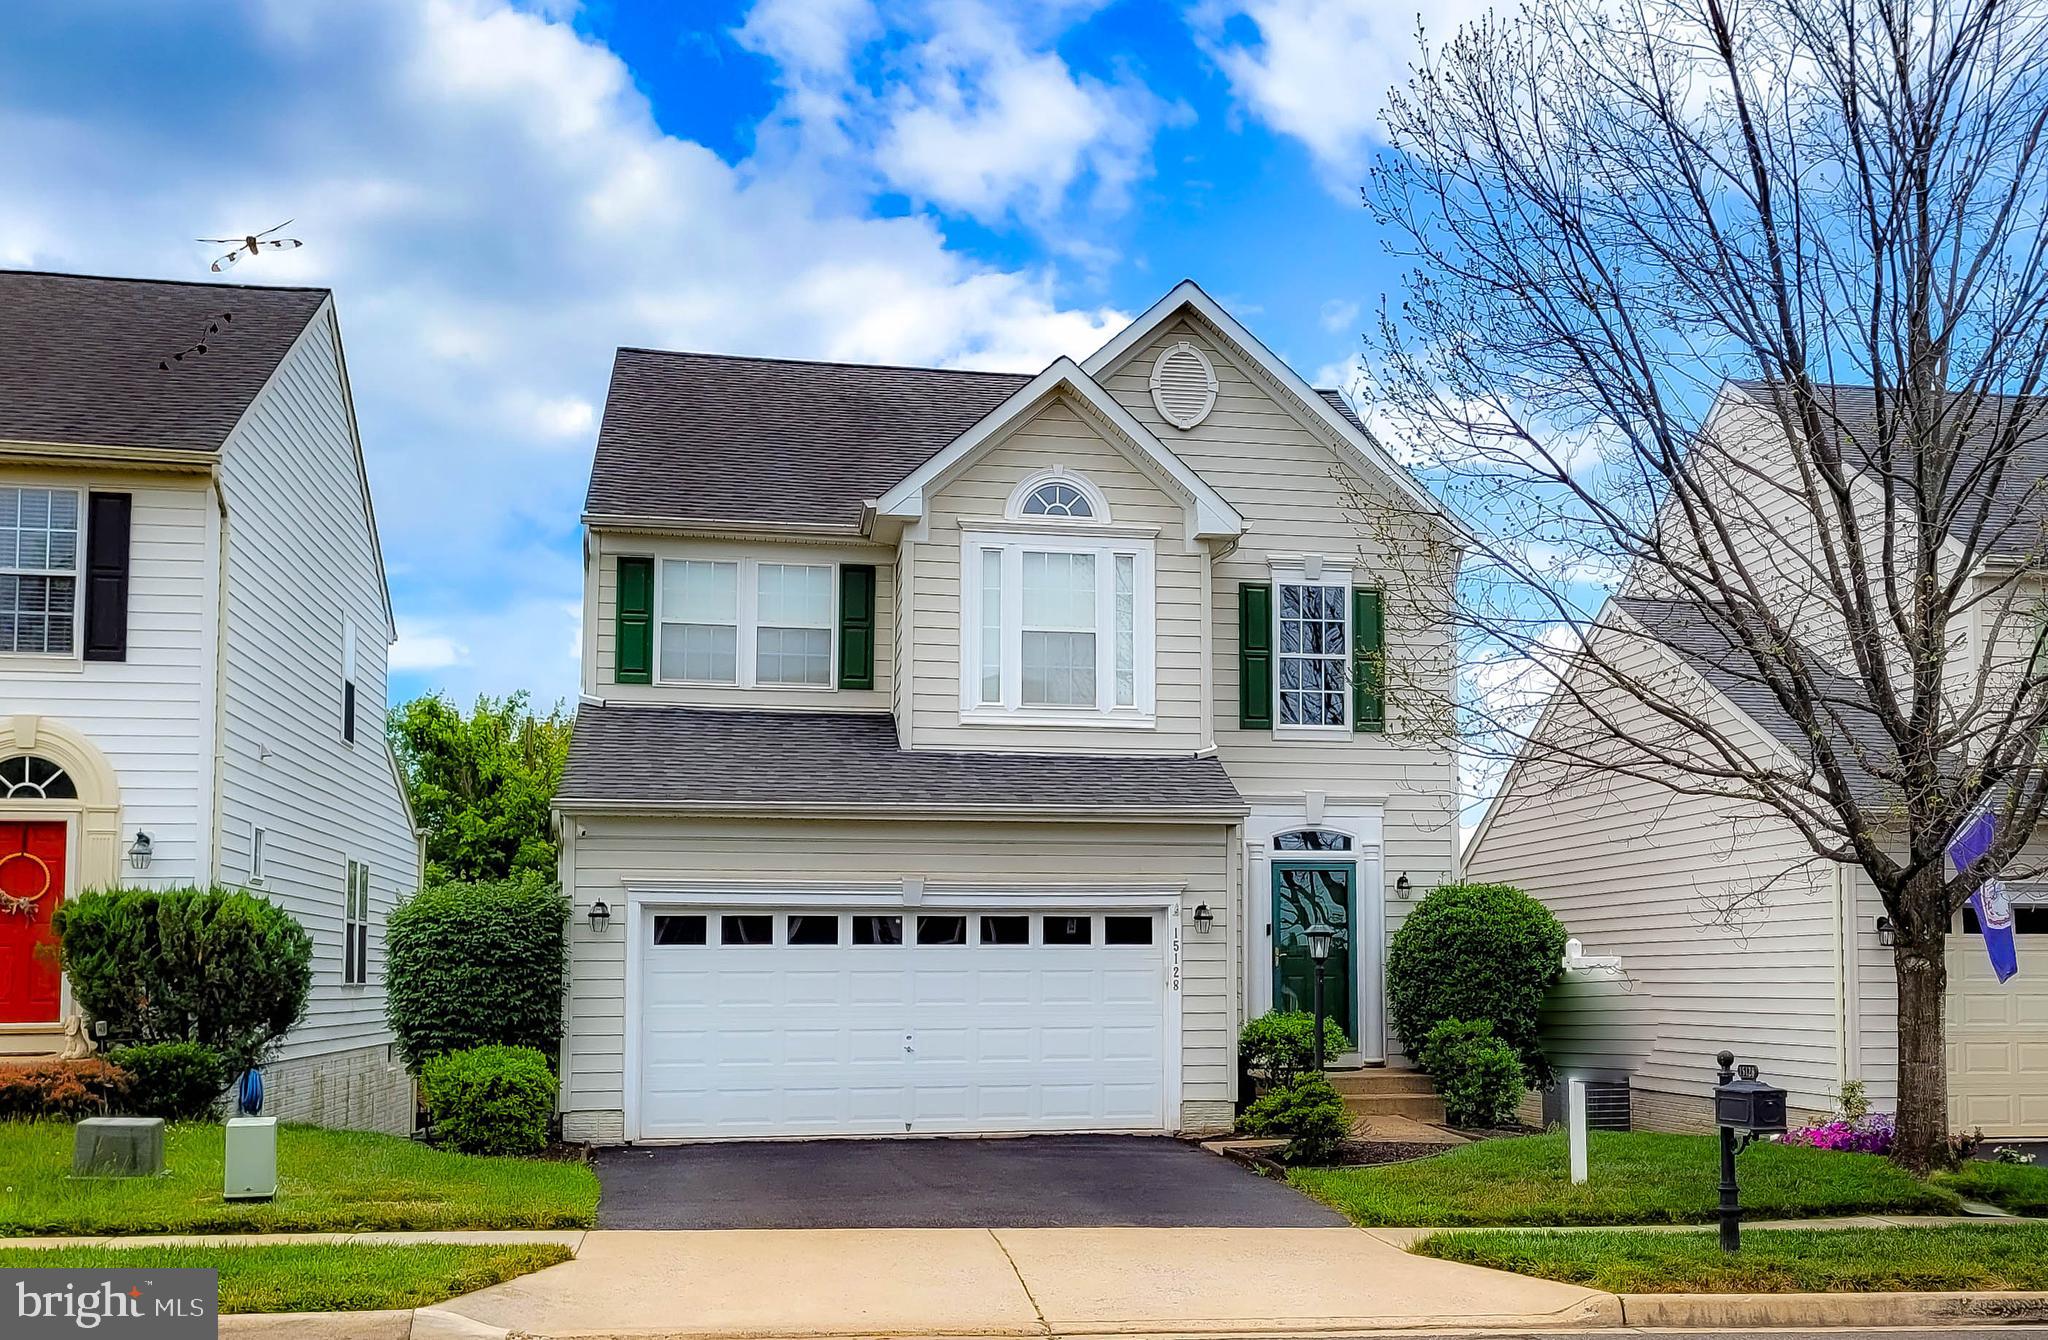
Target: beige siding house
[965,753]
[1730,932]
[193,628]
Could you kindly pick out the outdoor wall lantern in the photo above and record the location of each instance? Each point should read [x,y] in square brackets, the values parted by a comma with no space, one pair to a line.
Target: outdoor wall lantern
[1402,886]
[1884,930]
[1751,1108]
[138,855]
[1204,918]
[600,916]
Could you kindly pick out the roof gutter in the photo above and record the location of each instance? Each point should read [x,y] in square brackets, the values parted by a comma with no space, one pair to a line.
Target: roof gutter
[669,525]
[196,461]
[740,808]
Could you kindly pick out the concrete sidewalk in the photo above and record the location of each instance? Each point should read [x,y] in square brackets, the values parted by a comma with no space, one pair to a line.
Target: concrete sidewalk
[1013,1282]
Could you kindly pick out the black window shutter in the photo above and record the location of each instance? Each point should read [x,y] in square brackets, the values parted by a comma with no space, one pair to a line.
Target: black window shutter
[856,625]
[107,519]
[633,615]
[1368,660]
[1255,656]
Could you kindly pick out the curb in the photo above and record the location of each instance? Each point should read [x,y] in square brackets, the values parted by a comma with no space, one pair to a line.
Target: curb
[1827,1310]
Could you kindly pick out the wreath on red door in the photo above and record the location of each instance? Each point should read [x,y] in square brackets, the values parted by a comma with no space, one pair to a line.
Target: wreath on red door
[12,905]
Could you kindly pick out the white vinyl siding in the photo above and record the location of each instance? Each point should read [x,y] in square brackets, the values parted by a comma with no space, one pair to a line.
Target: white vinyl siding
[301,569]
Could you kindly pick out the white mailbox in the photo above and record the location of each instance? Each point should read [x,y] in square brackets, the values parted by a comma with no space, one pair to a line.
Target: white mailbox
[252,1158]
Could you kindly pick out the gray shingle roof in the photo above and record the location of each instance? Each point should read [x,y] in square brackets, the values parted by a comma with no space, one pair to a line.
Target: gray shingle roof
[713,437]
[751,759]
[706,437]
[1711,648]
[80,356]
[2018,522]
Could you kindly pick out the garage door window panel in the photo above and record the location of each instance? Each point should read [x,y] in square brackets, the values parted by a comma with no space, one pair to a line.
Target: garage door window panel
[813,928]
[746,929]
[1127,930]
[1069,930]
[942,930]
[878,930]
[1001,930]
[678,930]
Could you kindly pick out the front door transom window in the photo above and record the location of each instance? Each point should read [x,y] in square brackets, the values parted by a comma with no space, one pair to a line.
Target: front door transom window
[27,777]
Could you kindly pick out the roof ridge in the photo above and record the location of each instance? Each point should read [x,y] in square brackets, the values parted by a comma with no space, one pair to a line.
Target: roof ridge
[818,362]
[179,283]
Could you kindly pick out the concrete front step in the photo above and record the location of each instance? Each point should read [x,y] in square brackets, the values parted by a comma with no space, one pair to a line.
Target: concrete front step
[1420,1106]
[1378,1082]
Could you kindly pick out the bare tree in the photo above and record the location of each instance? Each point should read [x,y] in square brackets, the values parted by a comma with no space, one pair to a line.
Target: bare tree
[1739,307]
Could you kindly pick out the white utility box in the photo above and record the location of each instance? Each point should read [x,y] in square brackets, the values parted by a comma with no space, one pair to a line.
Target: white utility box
[252,1158]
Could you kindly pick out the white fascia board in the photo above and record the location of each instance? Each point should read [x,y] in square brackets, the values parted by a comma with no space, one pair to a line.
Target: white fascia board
[1214,517]
[1367,456]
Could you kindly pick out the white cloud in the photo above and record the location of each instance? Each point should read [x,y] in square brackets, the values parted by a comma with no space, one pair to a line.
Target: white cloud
[1319,70]
[966,105]
[1338,314]
[496,209]
[418,648]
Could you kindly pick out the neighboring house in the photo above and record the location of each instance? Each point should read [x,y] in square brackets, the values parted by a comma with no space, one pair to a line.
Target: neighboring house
[193,626]
[966,752]
[1731,933]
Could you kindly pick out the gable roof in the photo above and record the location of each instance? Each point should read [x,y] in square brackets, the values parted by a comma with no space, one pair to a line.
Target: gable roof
[709,437]
[2018,521]
[1328,409]
[1713,651]
[1213,515]
[753,759]
[80,358]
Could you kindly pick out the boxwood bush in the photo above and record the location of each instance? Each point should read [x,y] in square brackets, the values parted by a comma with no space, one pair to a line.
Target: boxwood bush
[219,967]
[469,965]
[178,1081]
[490,1100]
[1477,1075]
[1280,1044]
[1477,952]
[1308,1113]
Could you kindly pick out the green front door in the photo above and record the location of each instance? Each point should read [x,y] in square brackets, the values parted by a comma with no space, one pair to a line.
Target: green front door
[1305,892]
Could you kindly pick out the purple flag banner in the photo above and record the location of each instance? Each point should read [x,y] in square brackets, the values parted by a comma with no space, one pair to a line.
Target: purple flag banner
[1992,906]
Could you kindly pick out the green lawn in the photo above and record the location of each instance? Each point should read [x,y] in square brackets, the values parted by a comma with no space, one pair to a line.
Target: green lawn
[1636,1178]
[2021,1188]
[328,1181]
[1771,1261]
[303,1277]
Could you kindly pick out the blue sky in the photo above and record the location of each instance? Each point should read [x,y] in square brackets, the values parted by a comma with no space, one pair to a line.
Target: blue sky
[502,193]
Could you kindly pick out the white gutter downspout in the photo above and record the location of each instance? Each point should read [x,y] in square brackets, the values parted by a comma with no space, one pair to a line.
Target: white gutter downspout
[1848,986]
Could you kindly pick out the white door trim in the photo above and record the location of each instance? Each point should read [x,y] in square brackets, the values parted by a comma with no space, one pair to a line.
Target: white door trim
[1364,825]
[645,897]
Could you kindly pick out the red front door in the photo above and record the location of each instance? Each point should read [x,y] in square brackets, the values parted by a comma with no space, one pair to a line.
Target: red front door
[32,877]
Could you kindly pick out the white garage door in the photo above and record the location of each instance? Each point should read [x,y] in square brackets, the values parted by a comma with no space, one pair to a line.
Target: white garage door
[1998,1035]
[757,1022]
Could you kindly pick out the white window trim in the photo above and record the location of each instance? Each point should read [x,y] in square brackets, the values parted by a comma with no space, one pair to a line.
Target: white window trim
[355,949]
[258,842]
[75,658]
[1013,510]
[746,646]
[1298,573]
[1011,710]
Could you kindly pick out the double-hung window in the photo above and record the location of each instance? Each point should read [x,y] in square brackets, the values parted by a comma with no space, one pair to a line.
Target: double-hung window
[1056,627]
[39,531]
[746,623]
[355,957]
[1313,623]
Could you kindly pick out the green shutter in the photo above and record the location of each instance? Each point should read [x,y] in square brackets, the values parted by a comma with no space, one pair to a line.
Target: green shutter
[1368,660]
[1255,656]
[633,652]
[856,625]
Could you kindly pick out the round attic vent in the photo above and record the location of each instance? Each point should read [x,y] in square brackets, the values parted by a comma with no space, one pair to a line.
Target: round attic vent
[1183,385]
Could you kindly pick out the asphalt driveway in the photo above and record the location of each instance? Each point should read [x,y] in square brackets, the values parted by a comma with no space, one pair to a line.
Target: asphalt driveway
[1052,1181]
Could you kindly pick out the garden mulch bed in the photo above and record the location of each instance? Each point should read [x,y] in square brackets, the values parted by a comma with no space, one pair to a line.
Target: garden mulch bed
[1355,1154]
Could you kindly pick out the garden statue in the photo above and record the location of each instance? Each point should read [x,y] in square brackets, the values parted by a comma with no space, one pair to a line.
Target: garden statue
[78,1043]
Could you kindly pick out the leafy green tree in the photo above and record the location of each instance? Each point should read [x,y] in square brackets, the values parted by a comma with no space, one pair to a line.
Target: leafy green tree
[481,784]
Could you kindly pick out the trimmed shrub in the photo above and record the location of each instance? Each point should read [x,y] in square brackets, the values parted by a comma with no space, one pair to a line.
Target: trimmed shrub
[1280,1044]
[490,1100]
[1477,951]
[65,1089]
[1477,1075]
[220,967]
[178,1081]
[473,965]
[1307,1113]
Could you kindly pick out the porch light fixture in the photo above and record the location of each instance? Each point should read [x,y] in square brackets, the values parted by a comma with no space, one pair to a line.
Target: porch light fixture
[1884,930]
[1402,886]
[1204,918]
[600,916]
[1319,937]
[138,855]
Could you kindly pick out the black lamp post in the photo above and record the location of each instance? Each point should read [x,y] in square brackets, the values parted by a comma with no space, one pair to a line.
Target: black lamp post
[1319,937]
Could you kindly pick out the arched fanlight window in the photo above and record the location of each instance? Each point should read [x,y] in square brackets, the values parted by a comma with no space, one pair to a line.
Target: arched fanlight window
[1057,498]
[1312,839]
[26,777]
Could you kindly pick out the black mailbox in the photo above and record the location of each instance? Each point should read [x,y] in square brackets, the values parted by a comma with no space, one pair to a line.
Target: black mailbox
[1748,1104]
